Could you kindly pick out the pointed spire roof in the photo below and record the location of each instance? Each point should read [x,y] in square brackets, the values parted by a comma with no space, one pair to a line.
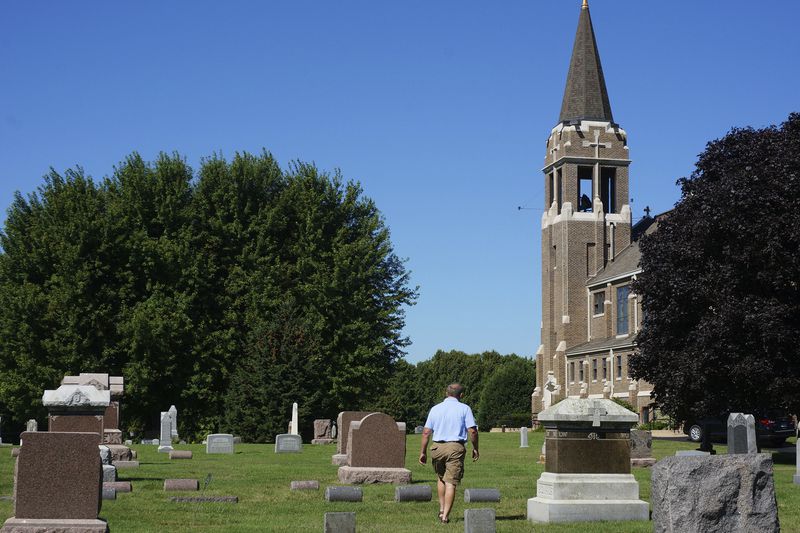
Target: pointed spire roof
[585,96]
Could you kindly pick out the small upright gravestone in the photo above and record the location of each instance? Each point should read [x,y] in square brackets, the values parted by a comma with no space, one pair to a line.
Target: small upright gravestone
[741,433]
[57,484]
[31,426]
[523,437]
[219,443]
[165,434]
[642,448]
[587,473]
[340,523]
[323,431]
[290,442]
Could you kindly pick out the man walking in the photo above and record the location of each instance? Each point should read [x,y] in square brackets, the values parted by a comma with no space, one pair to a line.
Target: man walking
[449,422]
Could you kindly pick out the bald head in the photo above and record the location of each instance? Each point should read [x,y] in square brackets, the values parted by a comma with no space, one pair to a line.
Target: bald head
[455,390]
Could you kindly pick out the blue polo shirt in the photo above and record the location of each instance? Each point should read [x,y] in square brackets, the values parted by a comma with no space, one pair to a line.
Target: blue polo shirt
[449,420]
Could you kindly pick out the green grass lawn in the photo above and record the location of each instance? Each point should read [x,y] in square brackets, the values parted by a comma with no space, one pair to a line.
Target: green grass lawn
[260,478]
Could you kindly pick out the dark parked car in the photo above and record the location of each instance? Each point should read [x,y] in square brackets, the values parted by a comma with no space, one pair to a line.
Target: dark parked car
[773,427]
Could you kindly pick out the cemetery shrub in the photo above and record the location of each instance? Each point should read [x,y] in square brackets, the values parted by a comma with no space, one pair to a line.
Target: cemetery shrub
[720,287]
[176,279]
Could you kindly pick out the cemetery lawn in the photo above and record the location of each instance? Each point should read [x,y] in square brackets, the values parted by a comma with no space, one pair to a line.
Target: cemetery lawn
[260,478]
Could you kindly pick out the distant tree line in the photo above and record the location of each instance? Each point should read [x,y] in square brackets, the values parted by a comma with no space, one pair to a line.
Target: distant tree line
[497,387]
[230,292]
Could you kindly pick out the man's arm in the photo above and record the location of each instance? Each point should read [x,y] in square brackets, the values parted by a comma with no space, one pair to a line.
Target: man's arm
[473,438]
[423,451]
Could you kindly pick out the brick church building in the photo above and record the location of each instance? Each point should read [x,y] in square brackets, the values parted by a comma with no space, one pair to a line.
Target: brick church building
[590,254]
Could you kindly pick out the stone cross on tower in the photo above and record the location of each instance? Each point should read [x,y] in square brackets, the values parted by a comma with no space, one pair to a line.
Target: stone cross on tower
[596,144]
[596,410]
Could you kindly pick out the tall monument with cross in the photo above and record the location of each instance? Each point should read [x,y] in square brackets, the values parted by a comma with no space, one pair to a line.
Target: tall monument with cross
[587,218]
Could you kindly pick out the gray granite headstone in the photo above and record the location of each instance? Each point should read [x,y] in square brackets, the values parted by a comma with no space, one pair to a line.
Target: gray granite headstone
[288,443]
[481,495]
[340,523]
[219,443]
[479,521]
[165,435]
[741,433]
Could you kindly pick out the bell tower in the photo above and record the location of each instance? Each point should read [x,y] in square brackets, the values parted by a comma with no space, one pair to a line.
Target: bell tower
[587,219]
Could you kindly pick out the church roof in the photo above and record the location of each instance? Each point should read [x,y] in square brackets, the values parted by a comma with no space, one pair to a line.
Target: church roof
[602,345]
[624,264]
[585,96]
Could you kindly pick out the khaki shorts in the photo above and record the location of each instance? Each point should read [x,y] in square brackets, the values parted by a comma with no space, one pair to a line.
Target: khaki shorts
[448,461]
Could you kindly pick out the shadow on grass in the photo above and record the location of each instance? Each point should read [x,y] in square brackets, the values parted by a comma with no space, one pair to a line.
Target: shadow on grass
[783,458]
[512,517]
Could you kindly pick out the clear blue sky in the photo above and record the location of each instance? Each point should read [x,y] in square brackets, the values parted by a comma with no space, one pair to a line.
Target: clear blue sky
[439,108]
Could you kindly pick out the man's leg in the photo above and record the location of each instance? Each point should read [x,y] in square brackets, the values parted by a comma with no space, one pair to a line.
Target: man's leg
[449,498]
[440,487]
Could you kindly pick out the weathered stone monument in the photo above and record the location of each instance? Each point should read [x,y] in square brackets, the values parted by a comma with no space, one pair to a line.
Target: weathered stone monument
[165,433]
[219,443]
[323,431]
[741,433]
[714,493]
[642,448]
[343,427]
[103,382]
[523,437]
[290,442]
[173,416]
[376,451]
[31,425]
[57,484]
[76,409]
[587,473]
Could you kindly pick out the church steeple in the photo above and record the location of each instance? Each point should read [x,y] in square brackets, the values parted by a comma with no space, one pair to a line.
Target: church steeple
[585,96]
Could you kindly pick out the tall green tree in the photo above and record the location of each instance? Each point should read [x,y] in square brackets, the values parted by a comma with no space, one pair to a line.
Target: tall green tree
[178,281]
[506,395]
[719,286]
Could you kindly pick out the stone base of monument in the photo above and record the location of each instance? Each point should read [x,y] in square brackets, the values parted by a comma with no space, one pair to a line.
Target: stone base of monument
[796,480]
[364,475]
[120,452]
[587,498]
[339,459]
[643,462]
[62,525]
[112,436]
[323,441]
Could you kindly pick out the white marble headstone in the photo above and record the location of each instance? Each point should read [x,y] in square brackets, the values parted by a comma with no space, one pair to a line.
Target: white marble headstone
[295,429]
[219,443]
[523,437]
[165,435]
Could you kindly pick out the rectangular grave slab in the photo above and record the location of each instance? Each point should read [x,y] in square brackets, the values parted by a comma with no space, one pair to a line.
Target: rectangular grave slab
[219,443]
[204,499]
[126,464]
[181,484]
[304,485]
[340,523]
[481,495]
[180,454]
[119,486]
[343,494]
[479,521]
[413,493]
[58,476]
[368,475]
[288,443]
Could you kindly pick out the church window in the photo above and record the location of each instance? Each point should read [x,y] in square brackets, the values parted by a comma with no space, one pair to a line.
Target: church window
[572,372]
[585,192]
[594,369]
[552,185]
[599,302]
[559,189]
[608,179]
[605,368]
[622,310]
[580,371]
[619,367]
